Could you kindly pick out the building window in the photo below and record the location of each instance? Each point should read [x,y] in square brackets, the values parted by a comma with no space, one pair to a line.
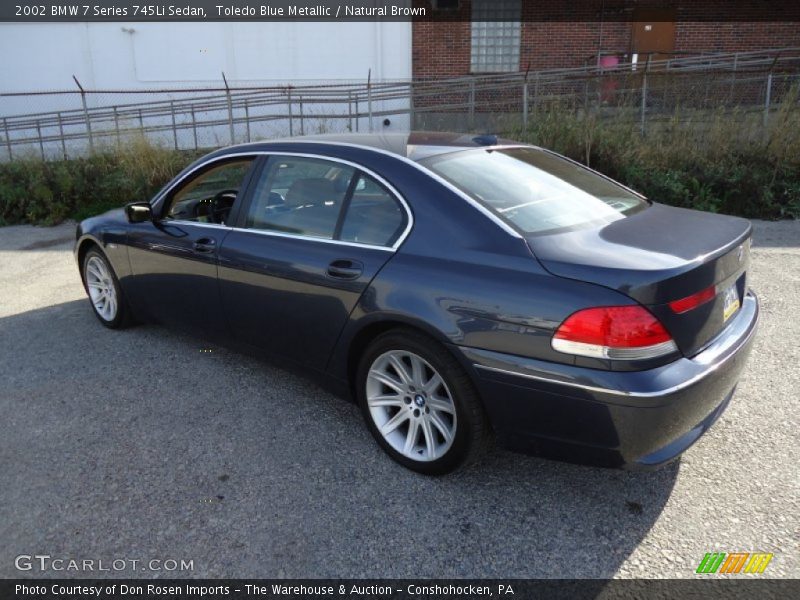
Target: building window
[445,4]
[495,35]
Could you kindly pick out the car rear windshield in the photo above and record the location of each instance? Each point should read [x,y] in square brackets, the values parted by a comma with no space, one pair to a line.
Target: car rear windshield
[535,190]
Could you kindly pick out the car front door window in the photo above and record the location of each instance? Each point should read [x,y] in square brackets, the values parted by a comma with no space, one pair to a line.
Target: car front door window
[209,197]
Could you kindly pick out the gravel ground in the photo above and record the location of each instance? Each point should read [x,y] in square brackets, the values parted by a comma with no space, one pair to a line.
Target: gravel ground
[138,445]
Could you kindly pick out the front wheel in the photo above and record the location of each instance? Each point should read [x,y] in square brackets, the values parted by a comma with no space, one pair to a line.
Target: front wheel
[420,404]
[105,293]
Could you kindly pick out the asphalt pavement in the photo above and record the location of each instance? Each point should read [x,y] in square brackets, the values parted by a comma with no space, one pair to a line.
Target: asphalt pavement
[148,445]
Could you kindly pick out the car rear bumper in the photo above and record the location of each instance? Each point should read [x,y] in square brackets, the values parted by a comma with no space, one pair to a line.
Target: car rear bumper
[634,419]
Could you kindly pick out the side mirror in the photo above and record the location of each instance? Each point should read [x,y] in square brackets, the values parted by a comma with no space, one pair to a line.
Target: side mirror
[139,212]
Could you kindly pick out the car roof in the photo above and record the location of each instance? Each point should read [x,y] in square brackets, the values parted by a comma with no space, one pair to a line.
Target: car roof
[415,145]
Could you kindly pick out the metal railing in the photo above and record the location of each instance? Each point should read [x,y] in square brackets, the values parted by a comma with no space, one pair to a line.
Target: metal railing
[74,122]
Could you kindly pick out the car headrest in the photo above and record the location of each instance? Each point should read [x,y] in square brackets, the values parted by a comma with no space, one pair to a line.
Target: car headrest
[315,191]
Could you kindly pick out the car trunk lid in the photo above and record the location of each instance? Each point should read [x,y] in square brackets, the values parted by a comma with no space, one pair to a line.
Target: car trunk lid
[657,256]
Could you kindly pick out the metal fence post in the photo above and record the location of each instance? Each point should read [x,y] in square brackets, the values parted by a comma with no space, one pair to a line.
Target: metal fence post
[291,124]
[586,95]
[39,135]
[116,126]
[174,126]
[525,105]
[644,101]
[141,121]
[358,114]
[412,116]
[247,119]
[349,111]
[302,124]
[472,104]
[733,79]
[230,106]
[194,128]
[644,94]
[369,98]
[767,99]
[85,115]
[8,139]
[61,135]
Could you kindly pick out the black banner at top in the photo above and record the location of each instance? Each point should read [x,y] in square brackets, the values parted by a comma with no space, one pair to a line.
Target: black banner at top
[710,11]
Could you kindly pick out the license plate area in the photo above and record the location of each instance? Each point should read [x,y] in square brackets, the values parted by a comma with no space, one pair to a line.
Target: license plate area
[730,303]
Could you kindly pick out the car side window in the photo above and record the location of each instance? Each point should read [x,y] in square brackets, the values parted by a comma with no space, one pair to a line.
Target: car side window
[374,216]
[300,195]
[209,197]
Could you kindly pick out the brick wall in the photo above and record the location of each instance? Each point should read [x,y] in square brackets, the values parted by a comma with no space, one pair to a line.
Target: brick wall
[441,48]
[735,37]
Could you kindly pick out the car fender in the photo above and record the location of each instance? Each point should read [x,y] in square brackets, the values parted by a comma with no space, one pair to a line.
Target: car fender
[109,232]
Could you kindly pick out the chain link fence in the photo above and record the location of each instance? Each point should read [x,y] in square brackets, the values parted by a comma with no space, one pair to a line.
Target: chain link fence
[65,124]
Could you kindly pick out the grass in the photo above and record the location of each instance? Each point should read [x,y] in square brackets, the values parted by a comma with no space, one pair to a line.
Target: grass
[46,193]
[720,161]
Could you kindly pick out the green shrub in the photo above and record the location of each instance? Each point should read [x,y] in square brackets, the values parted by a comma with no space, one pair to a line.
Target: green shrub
[718,161]
[46,193]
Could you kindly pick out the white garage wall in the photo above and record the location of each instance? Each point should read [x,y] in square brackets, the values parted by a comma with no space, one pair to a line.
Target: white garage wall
[158,55]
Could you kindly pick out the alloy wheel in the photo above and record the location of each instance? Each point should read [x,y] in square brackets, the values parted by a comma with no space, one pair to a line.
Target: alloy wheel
[411,405]
[101,288]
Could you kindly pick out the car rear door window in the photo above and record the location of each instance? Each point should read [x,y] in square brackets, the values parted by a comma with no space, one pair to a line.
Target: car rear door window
[300,195]
[374,216]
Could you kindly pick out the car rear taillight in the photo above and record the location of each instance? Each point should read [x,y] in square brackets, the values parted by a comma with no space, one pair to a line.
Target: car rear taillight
[614,332]
[686,304]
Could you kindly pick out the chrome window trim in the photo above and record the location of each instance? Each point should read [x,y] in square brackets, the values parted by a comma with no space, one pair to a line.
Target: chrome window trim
[280,234]
[196,223]
[392,190]
[436,177]
[311,238]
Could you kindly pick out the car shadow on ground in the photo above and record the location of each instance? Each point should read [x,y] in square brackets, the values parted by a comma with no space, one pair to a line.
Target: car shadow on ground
[144,444]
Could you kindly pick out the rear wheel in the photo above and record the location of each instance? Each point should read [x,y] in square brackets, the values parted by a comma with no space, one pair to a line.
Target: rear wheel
[105,293]
[420,404]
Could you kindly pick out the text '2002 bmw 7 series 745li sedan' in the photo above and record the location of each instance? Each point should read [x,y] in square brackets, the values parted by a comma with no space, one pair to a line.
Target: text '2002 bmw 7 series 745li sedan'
[459,288]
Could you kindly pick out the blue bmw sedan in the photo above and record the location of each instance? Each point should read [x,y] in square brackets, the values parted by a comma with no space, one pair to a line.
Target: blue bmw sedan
[460,289]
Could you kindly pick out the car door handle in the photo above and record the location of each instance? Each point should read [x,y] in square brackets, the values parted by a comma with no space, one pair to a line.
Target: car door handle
[204,245]
[345,269]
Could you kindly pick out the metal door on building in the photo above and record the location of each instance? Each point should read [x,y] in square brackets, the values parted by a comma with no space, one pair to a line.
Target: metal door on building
[653,34]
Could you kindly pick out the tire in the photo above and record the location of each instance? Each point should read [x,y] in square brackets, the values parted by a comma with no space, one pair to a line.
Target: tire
[108,302]
[393,406]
